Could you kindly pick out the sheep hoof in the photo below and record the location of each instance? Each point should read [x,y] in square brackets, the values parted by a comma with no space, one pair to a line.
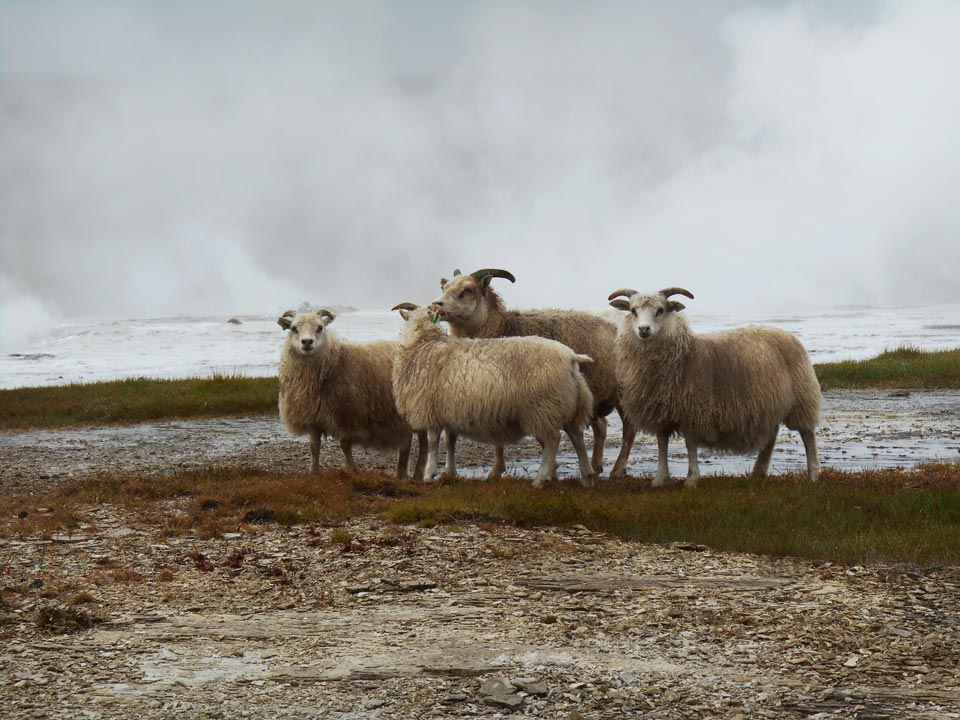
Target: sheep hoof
[659,481]
[586,480]
[691,481]
[538,483]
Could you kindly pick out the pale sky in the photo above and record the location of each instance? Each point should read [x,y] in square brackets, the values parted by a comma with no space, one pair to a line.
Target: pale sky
[241,157]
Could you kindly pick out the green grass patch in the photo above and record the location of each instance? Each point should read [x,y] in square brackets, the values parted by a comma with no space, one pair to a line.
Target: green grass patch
[901,368]
[880,516]
[136,400]
[143,400]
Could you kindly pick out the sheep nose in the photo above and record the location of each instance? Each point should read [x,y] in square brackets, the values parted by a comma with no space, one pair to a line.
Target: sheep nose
[307,343]
[438,303]
[644,331]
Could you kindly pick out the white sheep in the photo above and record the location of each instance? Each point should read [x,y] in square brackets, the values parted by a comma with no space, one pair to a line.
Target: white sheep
[341,389]
[728,390]
[495,390]
[474,310]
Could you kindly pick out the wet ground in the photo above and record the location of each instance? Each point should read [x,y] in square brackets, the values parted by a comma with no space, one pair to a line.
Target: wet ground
[859,430]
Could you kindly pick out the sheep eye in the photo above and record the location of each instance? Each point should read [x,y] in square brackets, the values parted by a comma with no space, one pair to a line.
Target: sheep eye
[659,312]
[634,312]
[466,292]
[295,331]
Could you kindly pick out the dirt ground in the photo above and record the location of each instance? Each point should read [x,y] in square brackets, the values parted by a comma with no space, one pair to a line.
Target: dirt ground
[370,620]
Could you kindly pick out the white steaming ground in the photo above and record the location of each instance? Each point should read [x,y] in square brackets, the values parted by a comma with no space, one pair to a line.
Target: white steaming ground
[237,157]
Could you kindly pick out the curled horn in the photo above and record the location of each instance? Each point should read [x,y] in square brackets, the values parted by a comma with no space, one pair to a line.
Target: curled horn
[625,292]
[404,306]
[667,292]
[286,320]
[493,272]
[326,313]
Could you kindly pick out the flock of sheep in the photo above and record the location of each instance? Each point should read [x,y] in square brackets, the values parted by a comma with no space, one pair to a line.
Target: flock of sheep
[499,375]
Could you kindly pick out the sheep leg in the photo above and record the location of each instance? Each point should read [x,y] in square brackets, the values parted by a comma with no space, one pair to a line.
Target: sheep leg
[548,464]
[693,465]
[316,437]
[403,457]
[499,466]
[450,471]
[629,435]
[599,427]
[433,440]
[421,456]
[346,444]
[586,468]
[763,459]
[813,461]
[663,468]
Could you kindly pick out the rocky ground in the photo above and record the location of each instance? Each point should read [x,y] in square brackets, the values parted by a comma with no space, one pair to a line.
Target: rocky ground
[370,620]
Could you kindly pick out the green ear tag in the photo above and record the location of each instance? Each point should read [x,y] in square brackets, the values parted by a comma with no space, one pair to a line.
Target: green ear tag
[433,318]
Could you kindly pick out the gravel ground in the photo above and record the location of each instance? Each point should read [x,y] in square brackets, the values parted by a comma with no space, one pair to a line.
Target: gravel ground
[449,622]
[860,429]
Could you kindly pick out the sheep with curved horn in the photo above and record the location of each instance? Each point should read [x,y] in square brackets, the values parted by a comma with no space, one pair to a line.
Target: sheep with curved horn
[473,309]
[730,390]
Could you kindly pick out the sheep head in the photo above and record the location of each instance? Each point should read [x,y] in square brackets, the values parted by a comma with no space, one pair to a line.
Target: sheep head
[649,313]
[306,329]
[419,321]
[463,296]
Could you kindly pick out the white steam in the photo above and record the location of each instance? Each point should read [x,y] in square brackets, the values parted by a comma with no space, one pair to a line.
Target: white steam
[232,157]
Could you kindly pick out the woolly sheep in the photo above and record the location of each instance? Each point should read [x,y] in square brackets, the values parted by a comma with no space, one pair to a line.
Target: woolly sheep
[728,390]
[332,387]
[492,390]
[474,310]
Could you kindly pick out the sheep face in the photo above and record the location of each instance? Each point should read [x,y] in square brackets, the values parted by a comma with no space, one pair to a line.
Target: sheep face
[306,334]
[648,315]
[463,298]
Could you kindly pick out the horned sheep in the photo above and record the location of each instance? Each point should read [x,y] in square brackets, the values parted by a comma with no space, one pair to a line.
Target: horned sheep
[341,389]
[474,310]
[728,390]
[492,390]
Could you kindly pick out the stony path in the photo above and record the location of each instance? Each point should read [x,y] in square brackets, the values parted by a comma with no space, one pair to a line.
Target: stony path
[460,622]
[860,429]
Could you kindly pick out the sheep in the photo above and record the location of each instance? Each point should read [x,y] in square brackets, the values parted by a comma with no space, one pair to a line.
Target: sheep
[728,390]
[492,390]
[474,310]
[341,389]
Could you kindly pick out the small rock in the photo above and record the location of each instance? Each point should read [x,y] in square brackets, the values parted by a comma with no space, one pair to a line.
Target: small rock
[454,698]
[235,321]
[506,701]
[496,686]
[531,687]
[852,661]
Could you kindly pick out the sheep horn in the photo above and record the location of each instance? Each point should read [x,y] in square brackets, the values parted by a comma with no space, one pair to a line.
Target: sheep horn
[493,272]
[625,292]
[326,313]
[286,319]
[404,306]
[667,292]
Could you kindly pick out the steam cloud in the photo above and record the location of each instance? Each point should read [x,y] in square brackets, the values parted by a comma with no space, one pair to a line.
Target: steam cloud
[228,157]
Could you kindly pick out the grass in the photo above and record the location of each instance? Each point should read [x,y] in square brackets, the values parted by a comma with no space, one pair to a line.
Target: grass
[903,367]
[882,516]
[136,400]
[142,400]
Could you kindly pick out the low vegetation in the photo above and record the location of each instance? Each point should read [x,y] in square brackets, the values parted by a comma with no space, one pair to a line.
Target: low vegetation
[907,368]
[143,400]
[880,516]
[136,400]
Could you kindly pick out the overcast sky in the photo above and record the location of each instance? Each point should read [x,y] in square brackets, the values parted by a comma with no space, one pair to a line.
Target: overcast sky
[241,157]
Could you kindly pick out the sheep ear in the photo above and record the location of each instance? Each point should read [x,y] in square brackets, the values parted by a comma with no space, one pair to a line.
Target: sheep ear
[443,283]
[620,304]
[457,272]
[675,306]
[405,315]
[286,320]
